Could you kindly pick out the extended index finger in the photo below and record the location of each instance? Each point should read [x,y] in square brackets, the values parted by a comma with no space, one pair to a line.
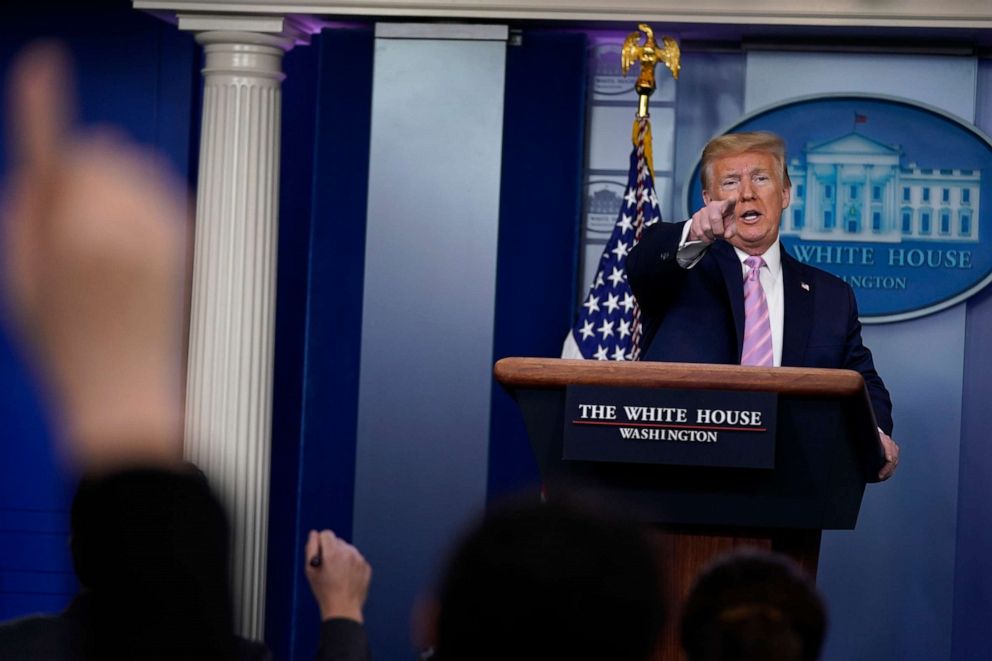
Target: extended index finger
[727,208]
[729,218]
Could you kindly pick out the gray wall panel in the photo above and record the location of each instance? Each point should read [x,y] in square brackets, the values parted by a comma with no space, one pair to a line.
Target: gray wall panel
[973,574]
[890,583]
[427,331]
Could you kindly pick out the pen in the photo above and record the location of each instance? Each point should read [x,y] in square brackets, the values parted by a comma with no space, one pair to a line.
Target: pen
[316,559]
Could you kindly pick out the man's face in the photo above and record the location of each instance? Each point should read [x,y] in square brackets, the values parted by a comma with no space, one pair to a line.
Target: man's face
[755,181]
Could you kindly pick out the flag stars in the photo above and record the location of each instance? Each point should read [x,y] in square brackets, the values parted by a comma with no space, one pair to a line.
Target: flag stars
[605,329]
[616,277]
[628,302]
[630,198]
[648,196]
[626,223]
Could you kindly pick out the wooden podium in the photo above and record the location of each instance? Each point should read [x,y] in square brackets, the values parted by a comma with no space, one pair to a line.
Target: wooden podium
[826,450]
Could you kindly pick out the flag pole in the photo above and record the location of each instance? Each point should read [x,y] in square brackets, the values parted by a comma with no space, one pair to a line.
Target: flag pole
[608,327]
[648,54]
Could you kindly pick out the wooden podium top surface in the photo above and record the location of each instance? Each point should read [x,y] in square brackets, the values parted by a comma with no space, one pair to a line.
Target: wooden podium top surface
[553,373]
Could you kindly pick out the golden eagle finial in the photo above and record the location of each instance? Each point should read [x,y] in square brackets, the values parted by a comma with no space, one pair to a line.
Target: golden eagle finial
[648,54]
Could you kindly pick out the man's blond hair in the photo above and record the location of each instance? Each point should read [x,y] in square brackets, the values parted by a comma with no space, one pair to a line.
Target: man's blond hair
[732,144]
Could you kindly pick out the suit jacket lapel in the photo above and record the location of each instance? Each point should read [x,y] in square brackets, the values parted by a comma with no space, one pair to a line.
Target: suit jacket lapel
[798,310]
[733,277]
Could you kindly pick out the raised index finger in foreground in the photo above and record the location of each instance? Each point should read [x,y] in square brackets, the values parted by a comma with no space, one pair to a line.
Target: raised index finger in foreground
[40,104]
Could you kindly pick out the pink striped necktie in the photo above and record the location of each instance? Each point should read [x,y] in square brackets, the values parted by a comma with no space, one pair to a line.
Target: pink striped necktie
[757,326]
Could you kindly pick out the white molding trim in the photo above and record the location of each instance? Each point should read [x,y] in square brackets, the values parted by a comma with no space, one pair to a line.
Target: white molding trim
[442,31]
[958,14]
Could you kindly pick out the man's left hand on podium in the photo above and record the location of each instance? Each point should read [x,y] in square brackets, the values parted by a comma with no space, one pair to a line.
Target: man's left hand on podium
[891,456]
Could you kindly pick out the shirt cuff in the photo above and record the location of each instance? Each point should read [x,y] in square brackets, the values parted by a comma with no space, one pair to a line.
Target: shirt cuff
[343,639]
[689,252]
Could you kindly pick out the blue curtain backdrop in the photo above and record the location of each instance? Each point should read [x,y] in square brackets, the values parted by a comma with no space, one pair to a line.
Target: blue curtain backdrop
[326,110]
[540,207]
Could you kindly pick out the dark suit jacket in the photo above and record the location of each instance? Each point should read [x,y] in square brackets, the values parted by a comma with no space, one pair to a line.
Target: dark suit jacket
[67,636]
[697,315]
[63,637]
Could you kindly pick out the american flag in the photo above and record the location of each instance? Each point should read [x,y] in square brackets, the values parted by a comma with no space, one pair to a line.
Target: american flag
[608,327]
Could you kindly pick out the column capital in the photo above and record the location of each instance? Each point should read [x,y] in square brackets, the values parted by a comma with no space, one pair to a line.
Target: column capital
[243,54]
[283,32]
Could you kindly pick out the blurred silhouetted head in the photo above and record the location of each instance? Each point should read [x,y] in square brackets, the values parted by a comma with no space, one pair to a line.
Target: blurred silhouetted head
[150,547]
[558,580]
[753,606]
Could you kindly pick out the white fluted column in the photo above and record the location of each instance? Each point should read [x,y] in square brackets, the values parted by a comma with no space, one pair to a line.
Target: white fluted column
[232,323]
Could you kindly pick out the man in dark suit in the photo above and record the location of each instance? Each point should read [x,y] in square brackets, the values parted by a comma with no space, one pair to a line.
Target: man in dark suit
[697,282]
